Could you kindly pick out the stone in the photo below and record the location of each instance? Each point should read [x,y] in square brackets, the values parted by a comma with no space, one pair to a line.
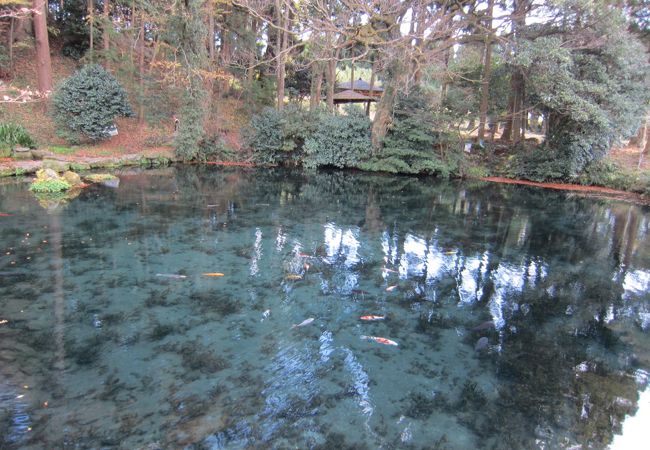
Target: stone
[22,153]
[47,174]
[72,178]
[56,165]
[41,154]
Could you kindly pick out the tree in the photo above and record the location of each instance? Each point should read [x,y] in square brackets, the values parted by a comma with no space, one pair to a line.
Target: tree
[42,44]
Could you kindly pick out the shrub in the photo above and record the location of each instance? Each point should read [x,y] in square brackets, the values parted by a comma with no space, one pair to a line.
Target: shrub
[12,135]
[412,145]
[88,102]
[340,141]
[278,137]
[214,148]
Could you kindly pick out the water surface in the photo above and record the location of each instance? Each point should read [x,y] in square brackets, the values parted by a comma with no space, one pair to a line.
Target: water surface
[521,315]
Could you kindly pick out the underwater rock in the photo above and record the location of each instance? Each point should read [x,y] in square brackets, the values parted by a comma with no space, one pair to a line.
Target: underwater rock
[105,179]
[481,344]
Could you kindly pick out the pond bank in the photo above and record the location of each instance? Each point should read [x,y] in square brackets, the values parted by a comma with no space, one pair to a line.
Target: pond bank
[60,163]
[592,191]
[163,157]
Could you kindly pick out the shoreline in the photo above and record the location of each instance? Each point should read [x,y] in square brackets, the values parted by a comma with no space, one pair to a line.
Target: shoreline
[161,158]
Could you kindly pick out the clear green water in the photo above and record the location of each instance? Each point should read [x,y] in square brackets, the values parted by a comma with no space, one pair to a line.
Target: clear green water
[521,315]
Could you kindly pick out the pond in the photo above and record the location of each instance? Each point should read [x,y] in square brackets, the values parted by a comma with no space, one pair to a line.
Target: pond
[208,308]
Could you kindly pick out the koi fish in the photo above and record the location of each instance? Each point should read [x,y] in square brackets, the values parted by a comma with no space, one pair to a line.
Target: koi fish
[213,274]
[304,255]
[372,318]
[380,340]
[293,277]
[386,269]
[173,276]
[265,315]
[360,292]
[5,215]
[303,323]
[450,252]
[483,326]
[391,288]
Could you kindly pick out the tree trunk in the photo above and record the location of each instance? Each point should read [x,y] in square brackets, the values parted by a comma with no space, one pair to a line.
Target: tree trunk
[487,73]
[10,44]
[211,35]
[517,83]
[316,86]
[382,117]
[330,76]
[91,20]
[283,37]
[141,67]
[372,85]
[42,44]
[106,38]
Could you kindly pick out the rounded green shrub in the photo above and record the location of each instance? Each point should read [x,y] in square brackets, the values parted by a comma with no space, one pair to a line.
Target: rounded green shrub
[339,141]
[88,102]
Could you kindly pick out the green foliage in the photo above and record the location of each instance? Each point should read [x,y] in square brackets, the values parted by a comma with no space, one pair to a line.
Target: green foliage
[214,148]
[593,97]
[412,145]
[72,26]
[278,137]
[340,141]
[190,128]
[13,135]
[48,186]
[88,102]
[608,174]
[60,150]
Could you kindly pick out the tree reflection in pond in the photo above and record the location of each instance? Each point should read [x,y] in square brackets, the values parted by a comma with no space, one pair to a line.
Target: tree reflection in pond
[521,315]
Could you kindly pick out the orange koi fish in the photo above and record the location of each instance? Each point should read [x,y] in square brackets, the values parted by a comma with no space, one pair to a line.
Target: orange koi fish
[293,277]
[380,340]
[213,274]
[391,288]
[5,215]
[372,318]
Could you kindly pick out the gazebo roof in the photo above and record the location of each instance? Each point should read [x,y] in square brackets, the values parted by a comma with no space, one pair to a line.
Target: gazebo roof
[359,85]
[350,96]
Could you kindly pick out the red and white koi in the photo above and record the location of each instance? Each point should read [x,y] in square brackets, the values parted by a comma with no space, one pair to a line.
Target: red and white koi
[372,318]
[391,288]
[380,340]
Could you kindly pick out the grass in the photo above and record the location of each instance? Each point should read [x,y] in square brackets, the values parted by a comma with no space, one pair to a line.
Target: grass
[60,150]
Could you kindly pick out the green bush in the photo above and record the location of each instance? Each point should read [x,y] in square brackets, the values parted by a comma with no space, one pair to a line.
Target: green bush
[278,137]
[340,141]
[412,144]
[12,135]
[214,148]
[88,102]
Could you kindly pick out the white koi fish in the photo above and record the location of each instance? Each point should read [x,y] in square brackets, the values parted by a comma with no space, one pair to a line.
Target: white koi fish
[173,276]
[303,323]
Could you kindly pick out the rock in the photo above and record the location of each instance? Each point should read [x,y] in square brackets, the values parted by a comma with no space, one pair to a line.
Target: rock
[57,166]
[41,154]
[481,344]
[22,153]
[72,178]
[105,179]
[46,174]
